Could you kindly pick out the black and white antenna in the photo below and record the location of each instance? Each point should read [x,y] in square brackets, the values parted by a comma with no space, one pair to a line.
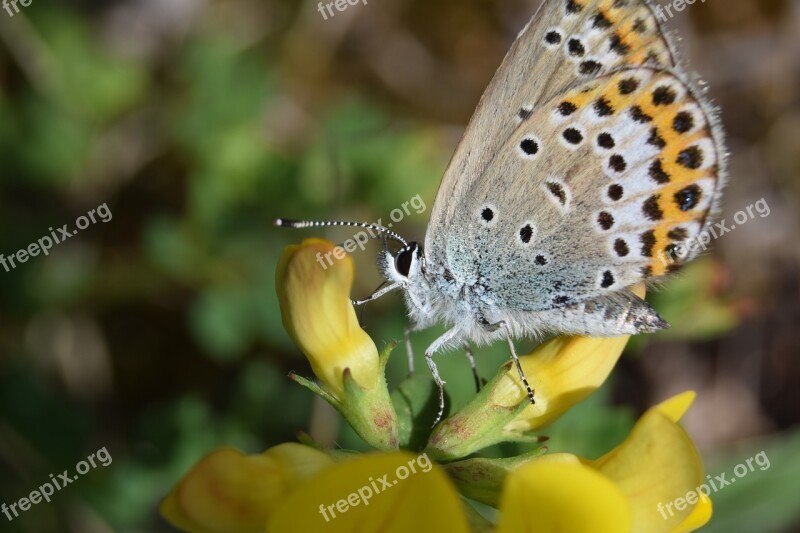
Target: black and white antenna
[298,224]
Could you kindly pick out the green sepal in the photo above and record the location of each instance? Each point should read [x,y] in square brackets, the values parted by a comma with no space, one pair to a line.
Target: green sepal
[368,411]
[482,479]
[479,424]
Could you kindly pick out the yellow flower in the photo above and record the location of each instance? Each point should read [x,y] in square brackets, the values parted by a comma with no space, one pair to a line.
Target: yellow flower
[629,489]
[376,492]
[316,311]
[563,372]
[314,295]
[290,488]
[400,492]
[229,492]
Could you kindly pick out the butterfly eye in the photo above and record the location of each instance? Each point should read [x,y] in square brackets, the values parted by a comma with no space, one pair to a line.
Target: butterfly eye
[404,258]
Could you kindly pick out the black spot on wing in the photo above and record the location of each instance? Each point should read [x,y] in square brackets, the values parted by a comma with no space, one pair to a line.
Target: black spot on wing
[589,67]
[664,95]
[600,21]
[605,140]
[688,197]
[572,136]
[658,174]
[648,240]
[573,7]
[678,234]
[567,108]
[603,107]
[526,233]
[683,122]
[615,192]
[628,86]
[553,37]
[691,158]
[651,209]
[638,115]
[576,48]
[621,247]
[617,163]
[557,190]
[529,146]
[618,46]
[605,220]
[656,140]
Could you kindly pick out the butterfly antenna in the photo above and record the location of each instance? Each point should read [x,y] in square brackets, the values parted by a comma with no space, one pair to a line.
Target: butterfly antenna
[298,224]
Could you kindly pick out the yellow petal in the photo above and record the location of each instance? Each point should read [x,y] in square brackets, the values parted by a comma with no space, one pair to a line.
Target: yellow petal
[229,492]
[700,515]
[560,458]
[563,372]
[171,511]
[657,464]
[560,495]
[367,494]
[675,407]
[315,305]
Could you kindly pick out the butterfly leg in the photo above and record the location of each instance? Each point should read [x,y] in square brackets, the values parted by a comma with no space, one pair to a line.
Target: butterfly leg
[517,363]
[409,349]
[377,294]
[471,357]
[433,348]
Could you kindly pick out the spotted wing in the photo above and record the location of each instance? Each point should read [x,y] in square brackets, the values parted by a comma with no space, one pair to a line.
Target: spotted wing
[566,42]
[593,192]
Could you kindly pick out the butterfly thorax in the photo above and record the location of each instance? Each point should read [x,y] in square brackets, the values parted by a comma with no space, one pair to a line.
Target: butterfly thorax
[433,295]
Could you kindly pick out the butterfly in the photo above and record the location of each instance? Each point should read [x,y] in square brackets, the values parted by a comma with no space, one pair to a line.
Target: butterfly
[590,156]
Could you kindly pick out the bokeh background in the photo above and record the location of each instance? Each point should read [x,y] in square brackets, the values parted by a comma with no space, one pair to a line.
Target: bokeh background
[157,334]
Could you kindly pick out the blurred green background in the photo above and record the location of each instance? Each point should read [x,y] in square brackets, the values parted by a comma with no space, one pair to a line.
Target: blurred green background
[157,334]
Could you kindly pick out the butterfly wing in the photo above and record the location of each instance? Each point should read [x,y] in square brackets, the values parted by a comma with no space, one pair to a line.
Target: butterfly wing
[594,192]
[587,187]
[565,42]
